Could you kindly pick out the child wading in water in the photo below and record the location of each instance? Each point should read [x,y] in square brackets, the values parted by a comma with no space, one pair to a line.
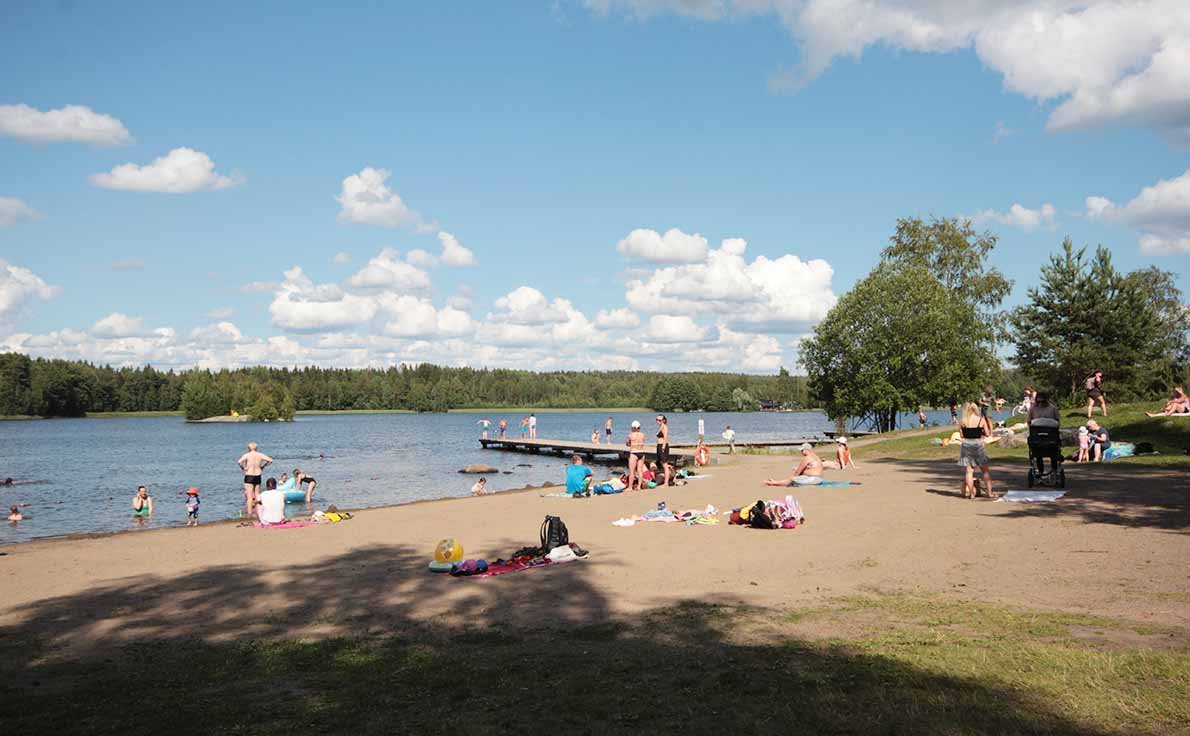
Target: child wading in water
[192,506]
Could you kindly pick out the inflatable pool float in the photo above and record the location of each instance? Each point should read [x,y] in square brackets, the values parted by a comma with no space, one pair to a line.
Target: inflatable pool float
[295,496]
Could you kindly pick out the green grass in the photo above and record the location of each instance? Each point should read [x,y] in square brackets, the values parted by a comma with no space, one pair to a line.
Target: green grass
[871,665]
[1125,422]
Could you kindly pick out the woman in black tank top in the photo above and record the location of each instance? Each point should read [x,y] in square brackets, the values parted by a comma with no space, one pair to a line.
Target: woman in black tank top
[973,451]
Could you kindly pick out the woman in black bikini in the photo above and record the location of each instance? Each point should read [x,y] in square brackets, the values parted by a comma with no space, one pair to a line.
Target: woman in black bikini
[667,470]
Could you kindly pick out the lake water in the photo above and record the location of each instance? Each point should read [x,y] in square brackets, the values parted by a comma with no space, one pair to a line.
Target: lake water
[79,475]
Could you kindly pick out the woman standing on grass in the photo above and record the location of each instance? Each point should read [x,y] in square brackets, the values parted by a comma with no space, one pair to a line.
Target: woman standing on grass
[973,452]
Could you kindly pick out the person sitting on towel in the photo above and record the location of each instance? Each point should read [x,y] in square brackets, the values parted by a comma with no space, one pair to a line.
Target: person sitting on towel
[811,465]
[270,507]
[578,477]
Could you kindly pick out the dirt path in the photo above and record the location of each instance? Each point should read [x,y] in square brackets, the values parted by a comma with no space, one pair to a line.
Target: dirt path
[1117,546]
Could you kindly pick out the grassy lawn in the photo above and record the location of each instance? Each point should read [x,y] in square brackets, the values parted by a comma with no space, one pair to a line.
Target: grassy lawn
[872,665]
[1125,422]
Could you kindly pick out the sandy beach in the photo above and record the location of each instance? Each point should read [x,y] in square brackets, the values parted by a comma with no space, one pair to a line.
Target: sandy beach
[1115,546]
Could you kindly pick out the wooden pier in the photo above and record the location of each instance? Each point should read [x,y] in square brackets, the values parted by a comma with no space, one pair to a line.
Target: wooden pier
[681,453]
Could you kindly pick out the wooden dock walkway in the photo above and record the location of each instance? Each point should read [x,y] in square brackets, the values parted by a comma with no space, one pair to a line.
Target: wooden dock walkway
[681,453]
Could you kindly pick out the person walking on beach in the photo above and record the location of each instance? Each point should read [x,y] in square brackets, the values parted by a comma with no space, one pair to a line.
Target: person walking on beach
[607,430]
[1094,386]
[484,425]
[729,435]
[253,464]
[532,426]
[192,504]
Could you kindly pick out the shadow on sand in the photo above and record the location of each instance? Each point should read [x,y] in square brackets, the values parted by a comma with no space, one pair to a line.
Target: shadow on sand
[344,646]
[1132,496]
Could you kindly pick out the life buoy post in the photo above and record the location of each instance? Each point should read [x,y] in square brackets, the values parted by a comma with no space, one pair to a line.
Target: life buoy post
[702,455]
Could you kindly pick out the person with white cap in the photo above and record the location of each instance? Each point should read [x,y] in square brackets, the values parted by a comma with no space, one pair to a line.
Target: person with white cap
[810,467]
[842,459]
[636,458]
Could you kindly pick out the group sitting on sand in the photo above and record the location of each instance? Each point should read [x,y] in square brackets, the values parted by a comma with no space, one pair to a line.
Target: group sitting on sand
[809,470]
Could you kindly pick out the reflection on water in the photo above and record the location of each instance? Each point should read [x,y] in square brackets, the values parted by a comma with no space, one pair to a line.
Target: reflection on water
[79,475]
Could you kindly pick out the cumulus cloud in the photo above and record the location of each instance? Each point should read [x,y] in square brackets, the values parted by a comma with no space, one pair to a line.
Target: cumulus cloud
[13,211]
[366,199]
[220,333]
[302,306]
[674,246]
[118,324]
[1097,61]
[453,252]
[181,171]
[617,319]
[666,328]
[18,285]
[388,271]
[784,294]
[1160,212]
[1018,216]
[528,306]
[72,123]
[421,258]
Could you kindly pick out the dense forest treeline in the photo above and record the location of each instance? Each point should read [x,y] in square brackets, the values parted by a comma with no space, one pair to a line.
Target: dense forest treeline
[40,387]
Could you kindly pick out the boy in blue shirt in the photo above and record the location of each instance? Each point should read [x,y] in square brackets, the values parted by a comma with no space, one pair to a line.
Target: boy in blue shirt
[578,478]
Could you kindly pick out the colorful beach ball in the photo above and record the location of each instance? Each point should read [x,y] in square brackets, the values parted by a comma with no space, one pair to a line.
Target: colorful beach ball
[447,553]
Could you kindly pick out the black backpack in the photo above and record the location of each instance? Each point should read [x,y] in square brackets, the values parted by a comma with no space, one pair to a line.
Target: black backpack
[553,534]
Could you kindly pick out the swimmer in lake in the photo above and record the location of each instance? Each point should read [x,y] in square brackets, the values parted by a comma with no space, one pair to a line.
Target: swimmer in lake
[14,514]
[142,502]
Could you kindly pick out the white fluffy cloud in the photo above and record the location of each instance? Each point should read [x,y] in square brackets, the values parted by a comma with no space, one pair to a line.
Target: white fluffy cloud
[118,324]
[666,328]
[1018,216]
[674,246]
[366,199]
[388,271]
[13,211]
[181,171]
[1160,212]
[421,258]
[72,123]
[784,294]
[617,319]
[1098,61]
[18,285]
[528,306]
[302,306]
[220,333]
[453,252]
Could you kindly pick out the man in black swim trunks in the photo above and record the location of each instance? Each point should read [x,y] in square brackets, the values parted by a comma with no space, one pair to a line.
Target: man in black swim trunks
[253,464]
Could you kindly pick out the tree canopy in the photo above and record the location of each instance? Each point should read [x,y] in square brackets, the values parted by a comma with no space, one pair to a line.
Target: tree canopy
[898,340]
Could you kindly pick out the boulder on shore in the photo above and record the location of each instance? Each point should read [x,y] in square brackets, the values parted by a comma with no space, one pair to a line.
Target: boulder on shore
[478,469]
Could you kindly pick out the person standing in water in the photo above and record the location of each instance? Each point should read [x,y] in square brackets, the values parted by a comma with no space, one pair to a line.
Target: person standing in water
[142,502]
[253,464]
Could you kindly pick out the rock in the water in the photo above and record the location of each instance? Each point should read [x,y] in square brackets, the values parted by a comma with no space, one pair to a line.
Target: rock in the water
[506,472]
[479,468]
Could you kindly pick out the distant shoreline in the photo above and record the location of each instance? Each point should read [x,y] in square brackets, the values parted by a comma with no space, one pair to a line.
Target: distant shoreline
[321,412]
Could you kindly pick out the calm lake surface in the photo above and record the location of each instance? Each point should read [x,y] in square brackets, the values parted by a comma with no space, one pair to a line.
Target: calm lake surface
[79,475]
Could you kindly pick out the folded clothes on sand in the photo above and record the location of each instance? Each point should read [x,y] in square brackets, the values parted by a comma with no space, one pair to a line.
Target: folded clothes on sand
[690,517]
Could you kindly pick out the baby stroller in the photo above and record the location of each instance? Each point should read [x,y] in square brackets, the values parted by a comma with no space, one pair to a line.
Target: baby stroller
[1045,442]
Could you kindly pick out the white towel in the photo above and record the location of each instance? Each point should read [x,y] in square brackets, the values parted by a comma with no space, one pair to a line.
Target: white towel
[1032,496]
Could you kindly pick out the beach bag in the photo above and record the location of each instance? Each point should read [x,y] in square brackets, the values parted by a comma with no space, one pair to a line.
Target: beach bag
[553,534]
[757,518]
[1145,448]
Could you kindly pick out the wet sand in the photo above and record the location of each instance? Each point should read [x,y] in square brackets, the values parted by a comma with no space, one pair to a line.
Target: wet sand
[1116,546]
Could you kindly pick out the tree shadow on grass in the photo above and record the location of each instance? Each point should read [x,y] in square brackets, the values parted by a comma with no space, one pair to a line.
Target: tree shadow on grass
[1095,494]
[235,650]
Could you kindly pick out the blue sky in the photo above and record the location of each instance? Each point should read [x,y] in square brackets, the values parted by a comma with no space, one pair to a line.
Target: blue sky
[548,140]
